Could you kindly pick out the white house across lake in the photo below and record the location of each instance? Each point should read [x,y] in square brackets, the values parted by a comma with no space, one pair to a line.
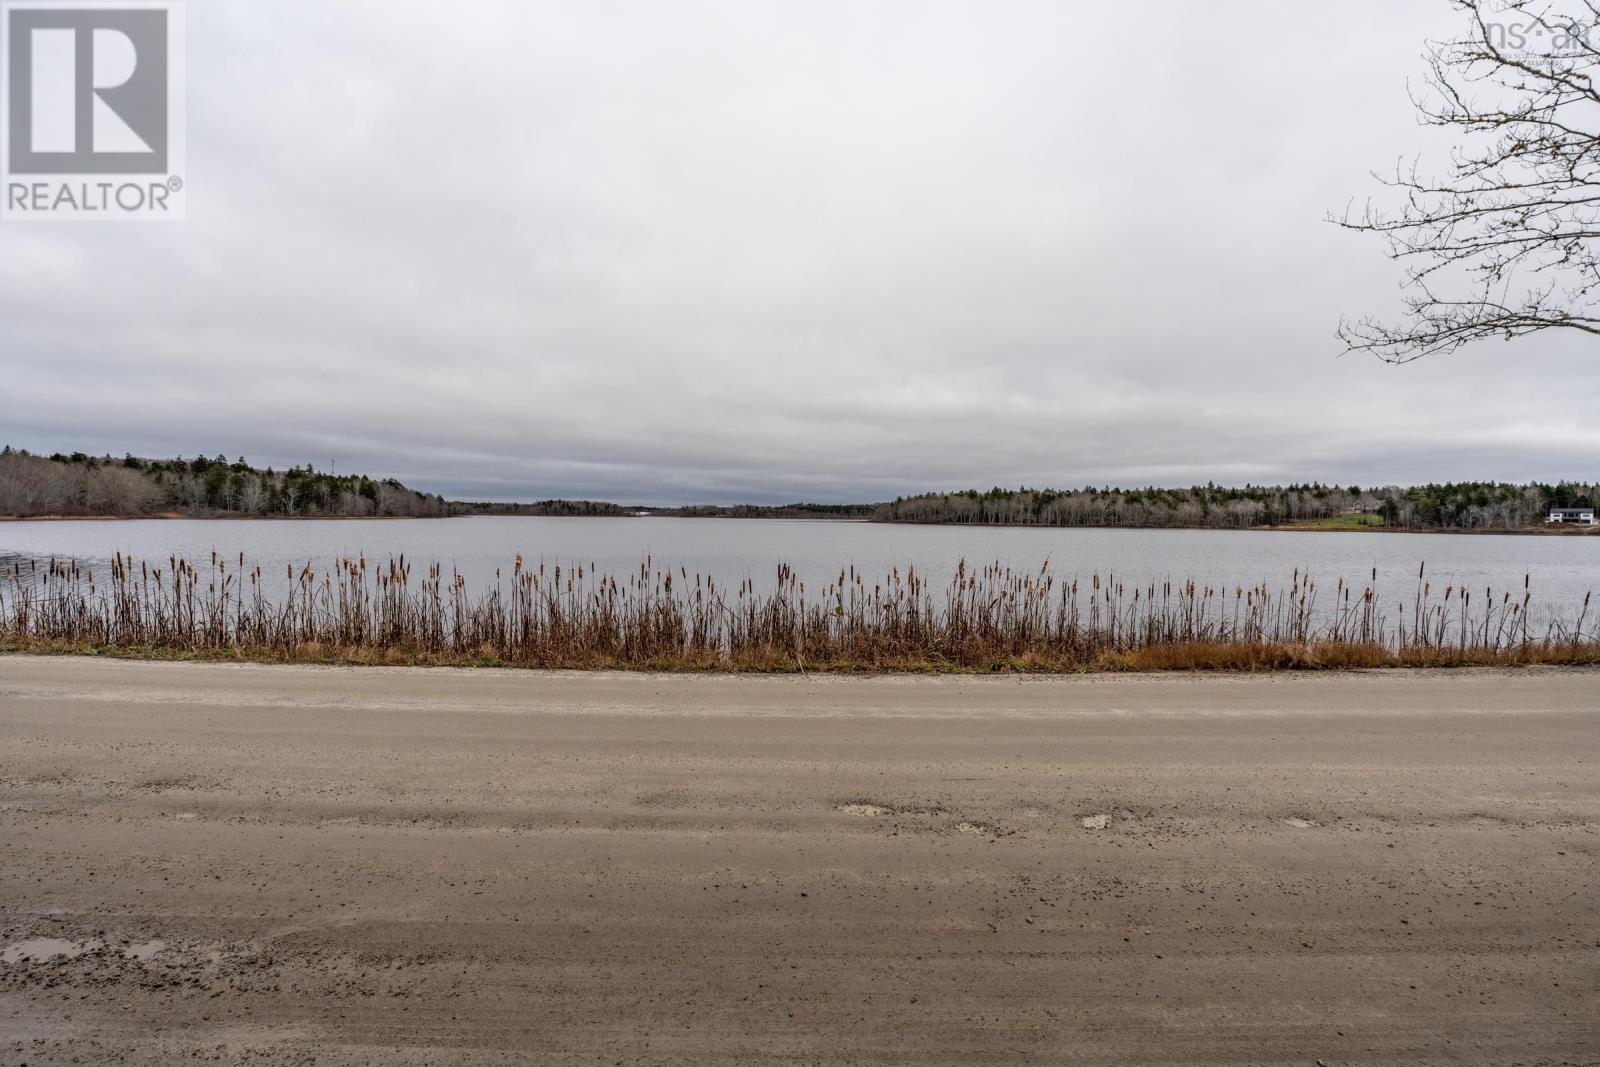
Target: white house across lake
[1582,516]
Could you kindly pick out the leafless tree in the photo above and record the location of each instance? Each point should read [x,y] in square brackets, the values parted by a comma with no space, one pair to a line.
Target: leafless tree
[1503,244]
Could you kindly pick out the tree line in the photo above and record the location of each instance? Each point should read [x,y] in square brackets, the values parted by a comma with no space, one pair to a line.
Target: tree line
[79,484]
[1448,506]
[770,511]
[688,511]
[563,508]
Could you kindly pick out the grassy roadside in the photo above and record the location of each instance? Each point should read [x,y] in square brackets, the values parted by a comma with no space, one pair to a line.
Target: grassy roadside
[1197,657]
[989,619]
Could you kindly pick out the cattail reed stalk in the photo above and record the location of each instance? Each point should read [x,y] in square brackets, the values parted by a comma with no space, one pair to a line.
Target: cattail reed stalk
[986,617]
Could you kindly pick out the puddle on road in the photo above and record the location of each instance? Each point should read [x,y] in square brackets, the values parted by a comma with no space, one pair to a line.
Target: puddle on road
[862,808]
[35,949]
[144,950]
[41,949]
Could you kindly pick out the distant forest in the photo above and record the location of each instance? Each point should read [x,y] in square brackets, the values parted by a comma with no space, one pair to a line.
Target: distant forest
[564,508]
[691,511]
[1451,506]
[78,484]
[88,485]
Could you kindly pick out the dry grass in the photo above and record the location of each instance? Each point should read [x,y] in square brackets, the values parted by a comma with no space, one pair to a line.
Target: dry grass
[989,619]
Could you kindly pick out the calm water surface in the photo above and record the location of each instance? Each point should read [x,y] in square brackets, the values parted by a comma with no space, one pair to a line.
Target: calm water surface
[1561,569]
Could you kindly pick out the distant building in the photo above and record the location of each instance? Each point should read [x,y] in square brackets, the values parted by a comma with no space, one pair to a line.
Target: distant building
[1582,516]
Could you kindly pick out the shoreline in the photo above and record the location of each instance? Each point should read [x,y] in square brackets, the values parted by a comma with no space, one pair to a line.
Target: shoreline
[1555,530]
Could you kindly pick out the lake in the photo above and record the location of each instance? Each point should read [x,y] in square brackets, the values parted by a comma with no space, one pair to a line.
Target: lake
[1561,570]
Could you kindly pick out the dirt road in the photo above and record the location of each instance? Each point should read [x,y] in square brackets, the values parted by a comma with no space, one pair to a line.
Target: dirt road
[270,865]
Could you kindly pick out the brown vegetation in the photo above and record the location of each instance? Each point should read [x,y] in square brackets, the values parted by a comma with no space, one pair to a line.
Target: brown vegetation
[991,618]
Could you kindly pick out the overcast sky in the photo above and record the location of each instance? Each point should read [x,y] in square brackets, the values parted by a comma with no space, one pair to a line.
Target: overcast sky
[731,251]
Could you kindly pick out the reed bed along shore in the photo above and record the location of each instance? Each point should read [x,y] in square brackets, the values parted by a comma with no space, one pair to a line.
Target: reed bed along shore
[984,618]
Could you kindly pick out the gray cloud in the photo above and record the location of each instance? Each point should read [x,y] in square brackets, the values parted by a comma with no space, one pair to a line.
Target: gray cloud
[764,251]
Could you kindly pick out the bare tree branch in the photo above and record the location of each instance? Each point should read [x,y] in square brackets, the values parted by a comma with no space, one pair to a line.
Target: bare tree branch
[1514,222]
